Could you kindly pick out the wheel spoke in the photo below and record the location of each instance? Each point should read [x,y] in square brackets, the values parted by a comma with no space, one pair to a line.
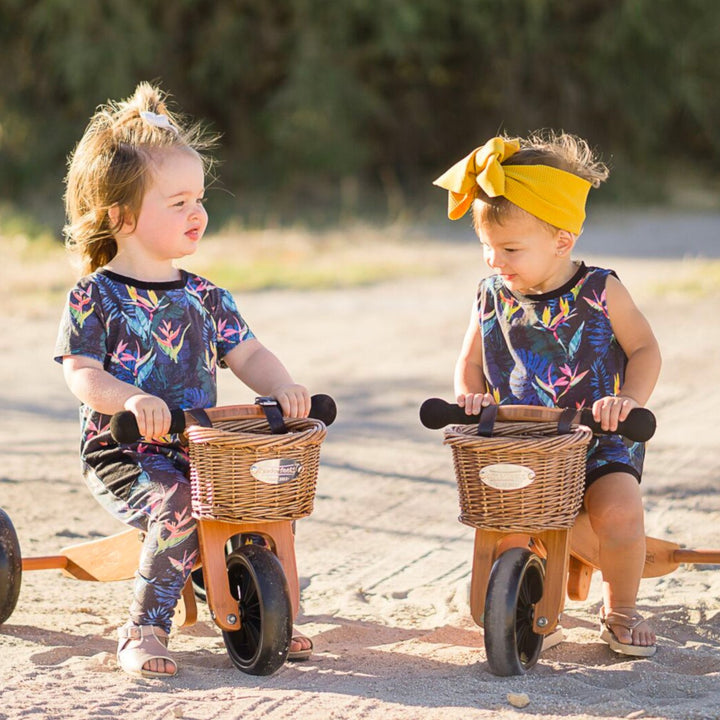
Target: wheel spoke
[250,596]
[523,596]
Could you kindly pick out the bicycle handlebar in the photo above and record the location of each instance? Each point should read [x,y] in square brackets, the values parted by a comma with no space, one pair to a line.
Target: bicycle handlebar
[124,428]
[639,426]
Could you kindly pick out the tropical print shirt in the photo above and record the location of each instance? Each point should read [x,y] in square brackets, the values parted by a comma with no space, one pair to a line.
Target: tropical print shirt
[557,349]
[166,338]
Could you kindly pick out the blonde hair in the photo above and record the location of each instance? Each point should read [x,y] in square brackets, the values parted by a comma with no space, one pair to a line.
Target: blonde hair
[109,168]
[560,150]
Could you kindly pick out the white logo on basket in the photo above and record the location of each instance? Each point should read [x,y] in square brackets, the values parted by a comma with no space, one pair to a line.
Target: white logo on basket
[506,476]
[276,471]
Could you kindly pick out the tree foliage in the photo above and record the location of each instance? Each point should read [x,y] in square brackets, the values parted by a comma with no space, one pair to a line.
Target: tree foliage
[319,100]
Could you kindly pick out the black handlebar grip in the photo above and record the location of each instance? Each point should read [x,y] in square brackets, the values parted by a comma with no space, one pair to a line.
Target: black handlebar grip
[436,413]
[323,408]
[639,426]
[124,428]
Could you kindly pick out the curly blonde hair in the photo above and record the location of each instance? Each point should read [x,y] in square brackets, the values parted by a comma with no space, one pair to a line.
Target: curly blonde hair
[560,150]
[109,168]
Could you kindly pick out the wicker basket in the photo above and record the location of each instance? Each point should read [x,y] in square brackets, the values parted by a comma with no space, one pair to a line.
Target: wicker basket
[526,478]
[241,472]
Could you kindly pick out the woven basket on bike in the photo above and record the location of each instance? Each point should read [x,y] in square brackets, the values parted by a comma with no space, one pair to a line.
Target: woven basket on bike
[552,465]
[242,472]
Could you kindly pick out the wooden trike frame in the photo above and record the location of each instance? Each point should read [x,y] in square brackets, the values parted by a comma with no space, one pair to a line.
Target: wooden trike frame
[116,557]
[571,556]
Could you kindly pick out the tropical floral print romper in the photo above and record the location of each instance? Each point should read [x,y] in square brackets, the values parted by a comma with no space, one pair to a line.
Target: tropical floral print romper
[167,339]
[558,350]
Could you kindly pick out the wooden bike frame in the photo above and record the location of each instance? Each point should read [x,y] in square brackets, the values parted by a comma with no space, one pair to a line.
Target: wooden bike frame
[571,558]
[116,558]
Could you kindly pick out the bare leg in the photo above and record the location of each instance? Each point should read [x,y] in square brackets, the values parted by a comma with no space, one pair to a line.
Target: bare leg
[614,506]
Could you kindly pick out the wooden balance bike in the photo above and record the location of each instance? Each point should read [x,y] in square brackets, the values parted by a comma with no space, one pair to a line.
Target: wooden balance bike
[521,485]
[253,473]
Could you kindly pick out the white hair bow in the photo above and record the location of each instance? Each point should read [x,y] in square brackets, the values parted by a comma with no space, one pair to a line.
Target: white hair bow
[158,120]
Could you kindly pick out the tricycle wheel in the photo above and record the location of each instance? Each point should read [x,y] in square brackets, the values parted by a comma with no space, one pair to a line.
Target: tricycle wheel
[258,583]
[10,567]
[514,587]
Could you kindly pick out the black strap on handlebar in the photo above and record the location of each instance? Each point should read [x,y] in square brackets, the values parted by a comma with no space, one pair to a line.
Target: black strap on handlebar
[273,414]
[487,421]
[488,415]
[564,423]
[200,417]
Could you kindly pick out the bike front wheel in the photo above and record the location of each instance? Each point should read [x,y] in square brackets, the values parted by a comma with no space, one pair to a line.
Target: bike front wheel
[258,583]
[515,586]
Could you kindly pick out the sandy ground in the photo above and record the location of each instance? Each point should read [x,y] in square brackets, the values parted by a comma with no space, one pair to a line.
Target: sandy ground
[384,563]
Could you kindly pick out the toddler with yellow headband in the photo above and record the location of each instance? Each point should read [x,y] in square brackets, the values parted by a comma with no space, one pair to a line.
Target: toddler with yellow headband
[547,330]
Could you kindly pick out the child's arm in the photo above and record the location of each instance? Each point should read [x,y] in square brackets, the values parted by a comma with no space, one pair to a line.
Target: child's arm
[636,338]
[95,387]
[260,370]
[470,387]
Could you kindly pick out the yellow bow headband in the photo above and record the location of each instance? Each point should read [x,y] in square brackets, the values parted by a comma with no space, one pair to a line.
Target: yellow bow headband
[555,196]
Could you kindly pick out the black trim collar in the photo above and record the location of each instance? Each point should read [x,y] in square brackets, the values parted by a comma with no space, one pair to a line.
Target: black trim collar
[558,292]
[145,285]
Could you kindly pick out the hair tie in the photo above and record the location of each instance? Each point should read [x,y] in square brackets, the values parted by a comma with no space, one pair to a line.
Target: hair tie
[555,196]
[158,120]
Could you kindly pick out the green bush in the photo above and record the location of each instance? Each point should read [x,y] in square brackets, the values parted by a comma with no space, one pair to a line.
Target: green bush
[334,106]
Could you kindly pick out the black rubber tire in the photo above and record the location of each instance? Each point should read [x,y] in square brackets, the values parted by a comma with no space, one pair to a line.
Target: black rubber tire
[10,567]
[515,585]
[258,582]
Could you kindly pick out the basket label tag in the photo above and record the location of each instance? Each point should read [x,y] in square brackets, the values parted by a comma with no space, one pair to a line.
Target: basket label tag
[276,471]
[506,476]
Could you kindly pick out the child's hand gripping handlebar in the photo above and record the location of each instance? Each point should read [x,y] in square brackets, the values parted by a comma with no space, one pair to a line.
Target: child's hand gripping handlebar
[639,426]
[124,429]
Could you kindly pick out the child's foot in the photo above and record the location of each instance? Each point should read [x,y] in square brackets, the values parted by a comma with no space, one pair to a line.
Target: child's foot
[142,651]
[627,632]
[301,648]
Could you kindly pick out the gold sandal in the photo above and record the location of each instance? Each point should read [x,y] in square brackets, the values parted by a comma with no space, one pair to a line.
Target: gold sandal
[138,644]
[629,621]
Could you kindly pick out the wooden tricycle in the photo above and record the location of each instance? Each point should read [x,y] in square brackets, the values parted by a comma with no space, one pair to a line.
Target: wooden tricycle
[253,473]
[521,485]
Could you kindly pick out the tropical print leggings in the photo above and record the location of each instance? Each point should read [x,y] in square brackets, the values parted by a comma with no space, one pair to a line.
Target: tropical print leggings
[158,504]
